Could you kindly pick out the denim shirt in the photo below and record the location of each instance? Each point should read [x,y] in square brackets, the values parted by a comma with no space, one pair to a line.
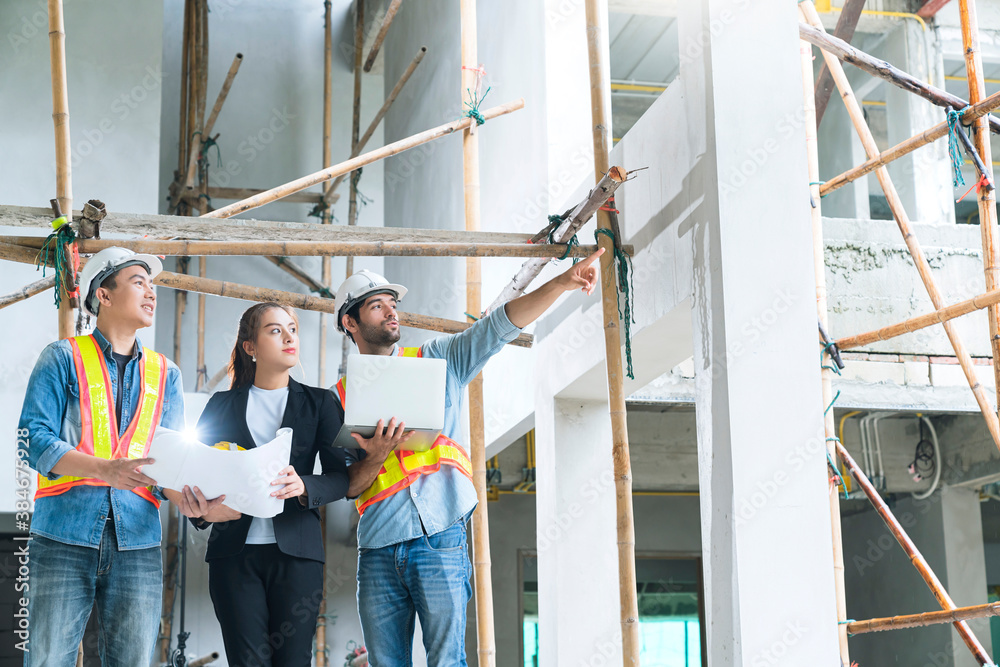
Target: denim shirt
[51,417]
[438,501]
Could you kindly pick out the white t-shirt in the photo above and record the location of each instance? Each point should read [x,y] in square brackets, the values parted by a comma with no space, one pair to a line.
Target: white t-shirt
[265,410]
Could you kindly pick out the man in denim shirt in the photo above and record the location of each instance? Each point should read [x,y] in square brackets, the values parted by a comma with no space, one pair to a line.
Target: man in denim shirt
[95,531]
[413,552]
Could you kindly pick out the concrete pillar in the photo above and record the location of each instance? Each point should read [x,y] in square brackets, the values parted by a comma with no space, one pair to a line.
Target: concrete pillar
[948,530]
[839,150]
[576,539]
[766,538]
[923,178]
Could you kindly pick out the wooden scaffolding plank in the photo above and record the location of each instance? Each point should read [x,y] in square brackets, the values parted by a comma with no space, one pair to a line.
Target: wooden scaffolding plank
[137,225]
[318,248]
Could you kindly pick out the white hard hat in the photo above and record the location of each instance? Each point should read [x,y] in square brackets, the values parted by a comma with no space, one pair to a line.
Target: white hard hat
[360,286]
[106,263]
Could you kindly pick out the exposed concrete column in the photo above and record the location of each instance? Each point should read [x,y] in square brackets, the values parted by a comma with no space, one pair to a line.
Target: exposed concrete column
[965,563]
[766,535]
[576,538]
[948,530]
[839,150]
[923,178]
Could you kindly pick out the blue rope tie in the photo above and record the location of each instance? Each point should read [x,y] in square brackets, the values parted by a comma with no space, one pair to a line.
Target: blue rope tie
[955,146]
[625,288]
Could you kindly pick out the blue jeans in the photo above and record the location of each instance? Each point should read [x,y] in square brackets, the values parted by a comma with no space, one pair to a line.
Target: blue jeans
[427,577]
[65,583]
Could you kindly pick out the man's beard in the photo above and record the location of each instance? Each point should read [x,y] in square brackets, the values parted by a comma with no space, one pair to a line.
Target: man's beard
[376,335]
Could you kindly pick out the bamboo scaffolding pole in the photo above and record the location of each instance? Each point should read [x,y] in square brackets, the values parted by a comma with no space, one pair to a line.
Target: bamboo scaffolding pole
[819,264]
[26,255]
[243,193]
[60,106]
[60,122]
[140,225]
[326,270]
[23,254]
[596,17]
[361,161]
[306,302]
[201,371]
[180,305]
[572,222]
[28,291]
[169,583]
[390,14]
[393,94]
[846,24]
[925,619]
[941,316]
[205,660]
[991,103]
[885,71]
[902,220]
[327,275]
[183,127]
[322,248]
[352,202]
[201,44]
[987,192]
[933,583]
[202,203]
[482,560]
[206,132]
[218,377]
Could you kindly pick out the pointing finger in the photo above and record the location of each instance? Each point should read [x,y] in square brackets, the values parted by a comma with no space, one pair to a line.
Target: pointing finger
[590,260]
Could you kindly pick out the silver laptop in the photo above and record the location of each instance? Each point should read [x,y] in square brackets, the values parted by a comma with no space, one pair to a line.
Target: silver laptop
[411,389]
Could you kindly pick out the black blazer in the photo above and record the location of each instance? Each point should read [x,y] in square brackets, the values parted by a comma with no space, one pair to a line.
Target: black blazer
[315,419]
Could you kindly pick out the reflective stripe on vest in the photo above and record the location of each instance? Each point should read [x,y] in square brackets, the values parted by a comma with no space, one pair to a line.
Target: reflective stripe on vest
[403,468]
[99,425]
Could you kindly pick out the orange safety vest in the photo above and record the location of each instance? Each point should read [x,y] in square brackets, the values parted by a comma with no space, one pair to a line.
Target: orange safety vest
[99,425]
[402,468]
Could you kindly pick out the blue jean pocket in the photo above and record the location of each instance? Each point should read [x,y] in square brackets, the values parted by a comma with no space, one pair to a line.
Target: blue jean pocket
[452,539]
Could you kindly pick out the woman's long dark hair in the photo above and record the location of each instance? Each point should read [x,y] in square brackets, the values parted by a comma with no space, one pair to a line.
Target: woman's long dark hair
[242,368]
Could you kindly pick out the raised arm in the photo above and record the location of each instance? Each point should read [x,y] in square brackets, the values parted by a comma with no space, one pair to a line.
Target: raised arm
[527,308]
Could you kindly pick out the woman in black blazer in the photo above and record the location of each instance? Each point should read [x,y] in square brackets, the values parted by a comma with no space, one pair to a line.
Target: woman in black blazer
[266,575]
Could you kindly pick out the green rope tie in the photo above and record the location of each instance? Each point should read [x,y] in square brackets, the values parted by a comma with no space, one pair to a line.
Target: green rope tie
[831,403]
[325,292]
[572,243]
[473,104]
[826,350]
[206,146]
[821,184]
[625,288]
[471,316]
[318,210]
[360,198]
[56,243]
[833,465]
[955,146]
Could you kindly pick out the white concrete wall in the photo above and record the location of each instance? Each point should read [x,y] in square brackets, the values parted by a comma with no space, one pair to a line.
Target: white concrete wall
[271,130]
[115,81]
